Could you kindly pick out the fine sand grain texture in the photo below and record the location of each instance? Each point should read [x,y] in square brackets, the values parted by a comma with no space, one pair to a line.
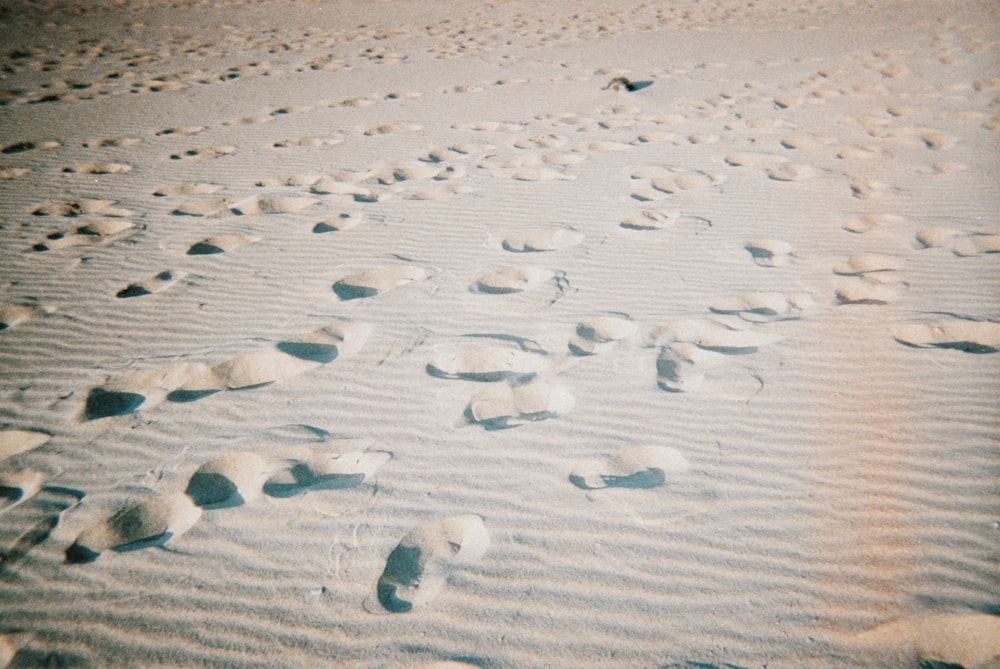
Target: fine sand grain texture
[386,334]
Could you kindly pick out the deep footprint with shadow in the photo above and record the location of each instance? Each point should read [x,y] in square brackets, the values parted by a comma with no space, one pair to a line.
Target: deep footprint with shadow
[327,470]
[31,523]
[417,568]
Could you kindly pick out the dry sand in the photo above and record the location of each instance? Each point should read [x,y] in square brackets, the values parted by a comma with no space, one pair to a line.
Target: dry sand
[387,334]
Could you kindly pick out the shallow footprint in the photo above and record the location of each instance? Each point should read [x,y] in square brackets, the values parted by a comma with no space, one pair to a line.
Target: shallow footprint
[765,307]
[418,567]
[221,244]
[638,467]
[14,315]
[493,362]
[139,524]
[13,441]
[512,280]
[681,367]
[92,233]
[510,405]
[542,240]
[967,335]
[376,281]
[941,640]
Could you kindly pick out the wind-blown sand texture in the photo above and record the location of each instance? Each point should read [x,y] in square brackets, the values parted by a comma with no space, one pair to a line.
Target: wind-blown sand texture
[499,335]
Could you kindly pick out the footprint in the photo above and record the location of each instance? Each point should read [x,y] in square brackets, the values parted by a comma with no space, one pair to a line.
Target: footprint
[139,524]
[542,240]
[227,481]
[651,219]
[512,280]
[154,284]
[963,334]
[204,153]
[14,315]
[418,567]
[98,231]
[98,168]
[638,467]
[686,181]
[309,142]
[867,263]
[14,441]
[942,639]
[189,189]
[535,174]
[272,205]
[681,366]
[377,280]
[976,244]
[392,129]
[84,207]
[29,524]
[221,244]
[326,470]
[128,393]
[860,291]
[8,173]
[791,172]
[493,362]
[870,222]
[599,335]
[326,344]
[218,207]
[187,130]
[17,486]
[770,252]
[715,336]
[751,159]
[765,307]
[511,405]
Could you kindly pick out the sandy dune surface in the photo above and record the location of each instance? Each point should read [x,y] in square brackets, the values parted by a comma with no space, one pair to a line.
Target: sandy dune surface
[510,334]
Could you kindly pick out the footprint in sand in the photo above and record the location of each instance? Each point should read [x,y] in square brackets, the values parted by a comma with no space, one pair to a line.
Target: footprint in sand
[347,465]
[511,404]
[756,160]
[15,441]
[651,219]
[31,521]
[204,153]
[189,189]
[215,208]
[227,481]
[392,129]
[765,307]
[601,334]
[96,232]
[875,279]
[9,173]
[344,221]
[638,467]
[542,240]
[681,367]
[940,640]
[151,521]
[221,244]
[869,222]
[679,182]
[962,244]
[98,168]
[23,147]
[186,130]
[272,205]
[418,567]
[157,283]
[770,252]
[19,485]
[13,315]
[962,334]
[504,359]
[83,208]
[512,280]
[377,280]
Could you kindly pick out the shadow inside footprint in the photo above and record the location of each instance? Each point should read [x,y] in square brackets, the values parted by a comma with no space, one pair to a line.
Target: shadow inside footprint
[103,403]
[182,395]
[305,480]
[43,513]
[649,478]
[204,249]
[402,568]
[346,291]
[321,353]
[213,491]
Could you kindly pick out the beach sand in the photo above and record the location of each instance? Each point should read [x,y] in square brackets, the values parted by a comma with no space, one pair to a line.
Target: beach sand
[405,334]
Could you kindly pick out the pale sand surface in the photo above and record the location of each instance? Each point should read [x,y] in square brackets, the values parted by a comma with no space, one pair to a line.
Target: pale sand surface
[382,334]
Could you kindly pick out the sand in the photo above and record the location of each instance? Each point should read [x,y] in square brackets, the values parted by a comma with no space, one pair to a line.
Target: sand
[406,334]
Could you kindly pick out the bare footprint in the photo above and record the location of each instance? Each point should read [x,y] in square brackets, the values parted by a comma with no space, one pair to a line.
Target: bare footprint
[157,283]
[82,208]
[377,280]
[139,524]
[203,153]
[766,307]
[638,467]
[418,567]
[511,405]
[99,231]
